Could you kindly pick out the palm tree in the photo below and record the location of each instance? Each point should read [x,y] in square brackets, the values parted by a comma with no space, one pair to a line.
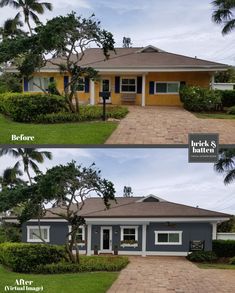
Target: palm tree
[29,8]
[224,14]
[27,157]
[11,28]
[226,164]
[10,177]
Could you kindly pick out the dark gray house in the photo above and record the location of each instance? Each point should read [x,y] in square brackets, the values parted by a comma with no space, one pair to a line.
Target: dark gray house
[134,226]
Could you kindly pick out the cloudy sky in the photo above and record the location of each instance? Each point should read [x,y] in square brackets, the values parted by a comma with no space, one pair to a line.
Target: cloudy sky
[162,172]
[179,26]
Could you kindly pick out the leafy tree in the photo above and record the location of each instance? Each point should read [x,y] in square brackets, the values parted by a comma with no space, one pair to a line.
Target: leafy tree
[10,82]
[10,233]
[27,157]
[225,76]
[228,226]
[226,165]
[65,187]
[29,9]
[224,14]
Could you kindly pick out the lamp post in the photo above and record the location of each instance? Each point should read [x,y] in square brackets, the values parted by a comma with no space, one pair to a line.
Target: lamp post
[105,96]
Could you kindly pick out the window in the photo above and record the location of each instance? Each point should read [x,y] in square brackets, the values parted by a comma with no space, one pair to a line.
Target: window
[33,234]
[129,234]
[167,87]
[168,237]
[38,84]
[105,85]
[80,87]
[128,85]
[80,236]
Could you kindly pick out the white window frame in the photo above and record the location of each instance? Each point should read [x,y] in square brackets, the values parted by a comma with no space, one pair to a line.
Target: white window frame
[35,88]
[168,232]
[167,93]
[38,240]
[83,234]
[136,235]
[128,77]
[82,78]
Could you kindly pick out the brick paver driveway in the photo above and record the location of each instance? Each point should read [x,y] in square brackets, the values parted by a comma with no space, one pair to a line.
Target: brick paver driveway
[171,274]
[167,125]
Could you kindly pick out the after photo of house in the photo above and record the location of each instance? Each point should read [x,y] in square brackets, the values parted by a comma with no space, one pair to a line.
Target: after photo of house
[84,210]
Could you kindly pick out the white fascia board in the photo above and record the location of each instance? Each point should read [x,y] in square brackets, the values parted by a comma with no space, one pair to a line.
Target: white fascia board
[48,220]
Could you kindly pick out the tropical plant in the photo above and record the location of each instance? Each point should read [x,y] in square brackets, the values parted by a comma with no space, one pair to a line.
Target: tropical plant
[27,157]
[226,165]
[224,14]
[29,9]
[11,28]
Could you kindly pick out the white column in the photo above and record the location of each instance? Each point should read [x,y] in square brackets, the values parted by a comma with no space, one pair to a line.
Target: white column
[213,82]
[144,226]
[89,239]
[92,91]
[214,231]
[143,90]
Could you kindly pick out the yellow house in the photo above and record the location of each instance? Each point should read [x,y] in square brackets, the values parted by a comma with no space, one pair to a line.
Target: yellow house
[139,76]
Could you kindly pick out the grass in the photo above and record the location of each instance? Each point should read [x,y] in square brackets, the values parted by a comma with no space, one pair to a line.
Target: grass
[214,116]
[66,283]
[66,133]
[216,266]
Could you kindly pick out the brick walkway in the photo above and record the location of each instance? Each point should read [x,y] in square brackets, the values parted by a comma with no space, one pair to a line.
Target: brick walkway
[167,125]
[169,275]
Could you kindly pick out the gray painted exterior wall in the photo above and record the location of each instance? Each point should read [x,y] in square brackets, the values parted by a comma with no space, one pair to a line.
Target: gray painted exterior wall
[190,231]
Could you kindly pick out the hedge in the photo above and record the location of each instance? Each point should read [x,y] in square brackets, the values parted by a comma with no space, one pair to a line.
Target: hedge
[202,256]
[228,98]
[231,110]
[25,107]
[232,261]
[23,257]
[224,248]
[87,264]
[198,99]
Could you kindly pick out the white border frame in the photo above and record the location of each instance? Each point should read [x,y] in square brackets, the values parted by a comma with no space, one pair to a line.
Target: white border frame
[102,250]
[38,89]
[167,93]
[168,232]
[128,77]
[122,235]
[38,240]
[83,234]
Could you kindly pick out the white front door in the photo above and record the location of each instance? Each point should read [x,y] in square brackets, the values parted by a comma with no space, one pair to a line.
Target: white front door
[106,87]
[106,239]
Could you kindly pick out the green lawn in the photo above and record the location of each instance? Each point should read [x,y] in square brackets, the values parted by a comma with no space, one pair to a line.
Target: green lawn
[64,283]
[214,116]
[216,266]
[67,133]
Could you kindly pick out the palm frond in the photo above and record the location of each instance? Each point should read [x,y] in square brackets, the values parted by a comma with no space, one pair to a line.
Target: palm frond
[4,3]
[229,177]
[34,17]
[47,5]
[8,151]
[34,166]
[228,27]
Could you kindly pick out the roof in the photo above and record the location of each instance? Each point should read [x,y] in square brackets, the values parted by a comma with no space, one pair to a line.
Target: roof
[138,58]
[139,207]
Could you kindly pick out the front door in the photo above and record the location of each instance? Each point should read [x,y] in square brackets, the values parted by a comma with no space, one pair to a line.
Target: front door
[106,87]
[106,239]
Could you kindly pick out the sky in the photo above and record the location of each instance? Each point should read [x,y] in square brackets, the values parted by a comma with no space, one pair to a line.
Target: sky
[178,26]
[163,172]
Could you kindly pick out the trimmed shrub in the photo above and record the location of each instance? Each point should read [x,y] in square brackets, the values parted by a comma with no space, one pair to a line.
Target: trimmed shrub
[202,256]
[232,261]
[87,264]
[198,99]
[228,98]
[26,107]
[231,110]
[23,257]
[224,248]
[87,113]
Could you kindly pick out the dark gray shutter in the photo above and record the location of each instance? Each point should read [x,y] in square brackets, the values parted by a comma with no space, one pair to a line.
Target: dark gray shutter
[139,85]
[151,87]
[182,84]
[66,82]
[26,84]
[117,84]
[87,85]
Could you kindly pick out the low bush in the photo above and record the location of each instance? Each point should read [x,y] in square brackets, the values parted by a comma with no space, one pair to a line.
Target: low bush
[86,113]
[23,258]
[87,264]
[198,99]
[231,110]
[228,98]
[224,248]
[202,256]
[26,107]
[10,233]
[232,261]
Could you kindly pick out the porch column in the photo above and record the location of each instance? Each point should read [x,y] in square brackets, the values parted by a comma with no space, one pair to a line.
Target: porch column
[92,91]
[214,231]
[89,239]
[143,90]
[144,226]
[213,82]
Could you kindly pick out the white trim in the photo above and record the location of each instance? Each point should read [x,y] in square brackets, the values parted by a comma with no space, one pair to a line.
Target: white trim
[166,82]
[88,239]
[143,98]
[168,232]
[38,240]
[48,220]
[92,91]
[129,227]
[214,231]
[213,82]
[102,250]
[153,196]
[15,221]
[129,245]
[129,77]
[153,253]
[83,235]
[144,228]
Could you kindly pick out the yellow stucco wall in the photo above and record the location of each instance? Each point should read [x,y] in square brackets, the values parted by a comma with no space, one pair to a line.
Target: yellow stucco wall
[191,78]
